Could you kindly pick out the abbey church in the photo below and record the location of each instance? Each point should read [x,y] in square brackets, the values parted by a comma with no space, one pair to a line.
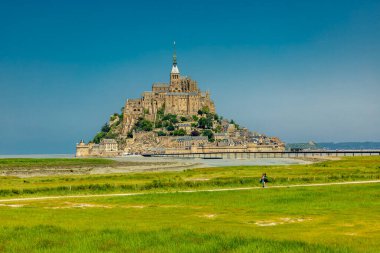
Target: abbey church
[174,117]
[181,96]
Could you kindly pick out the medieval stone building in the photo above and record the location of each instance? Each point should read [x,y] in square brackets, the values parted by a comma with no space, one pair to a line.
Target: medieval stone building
[194,127]
[181,96]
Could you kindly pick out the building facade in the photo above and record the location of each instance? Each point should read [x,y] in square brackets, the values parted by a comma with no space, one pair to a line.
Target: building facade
[181,96]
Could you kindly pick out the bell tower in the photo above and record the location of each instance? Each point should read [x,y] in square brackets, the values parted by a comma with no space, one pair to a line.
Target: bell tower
[174,74]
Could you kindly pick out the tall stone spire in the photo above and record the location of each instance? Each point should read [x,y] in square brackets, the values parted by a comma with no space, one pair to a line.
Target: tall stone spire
[175,69]
[174,55]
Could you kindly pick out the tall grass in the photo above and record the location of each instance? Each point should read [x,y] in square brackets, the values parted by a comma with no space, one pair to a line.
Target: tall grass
[53,238]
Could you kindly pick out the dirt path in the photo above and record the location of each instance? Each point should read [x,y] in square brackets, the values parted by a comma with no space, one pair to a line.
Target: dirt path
[188,191]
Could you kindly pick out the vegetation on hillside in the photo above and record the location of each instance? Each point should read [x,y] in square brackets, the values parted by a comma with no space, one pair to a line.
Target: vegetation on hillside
[110,130]
[204,123]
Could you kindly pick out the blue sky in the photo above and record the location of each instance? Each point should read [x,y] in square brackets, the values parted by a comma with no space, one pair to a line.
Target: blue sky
[300,70]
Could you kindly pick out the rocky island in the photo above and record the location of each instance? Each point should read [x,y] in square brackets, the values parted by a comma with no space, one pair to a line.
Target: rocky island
[173,118]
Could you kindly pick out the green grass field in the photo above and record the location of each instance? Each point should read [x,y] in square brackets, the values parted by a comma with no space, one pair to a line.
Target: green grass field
[348,169]
[14,163]
[338,218]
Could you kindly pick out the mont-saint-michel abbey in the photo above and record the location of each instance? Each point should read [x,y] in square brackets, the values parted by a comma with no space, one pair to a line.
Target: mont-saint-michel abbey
[174,118]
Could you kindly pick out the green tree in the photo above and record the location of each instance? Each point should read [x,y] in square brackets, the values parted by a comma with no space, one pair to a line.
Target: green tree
[205,110]
[110,135]
[209,134]
[144,125]
[195,117]
[174,119]
[202,122]
[170,128]
[218,129]
[171,117]
[205,123]
[105,128]
[183,118]
[98,137]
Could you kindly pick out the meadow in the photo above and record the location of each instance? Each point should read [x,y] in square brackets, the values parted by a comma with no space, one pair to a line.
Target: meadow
[33,163]
[347,169]
[316,219]
[336,218]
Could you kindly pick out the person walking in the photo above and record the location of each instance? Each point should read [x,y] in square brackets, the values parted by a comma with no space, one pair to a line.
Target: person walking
[264,179]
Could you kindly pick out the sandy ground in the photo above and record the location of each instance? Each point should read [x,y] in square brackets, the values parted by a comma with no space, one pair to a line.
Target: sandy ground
[144,164]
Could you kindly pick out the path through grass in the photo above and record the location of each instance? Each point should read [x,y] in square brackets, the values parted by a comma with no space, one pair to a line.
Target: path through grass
[340,218]
[347,169]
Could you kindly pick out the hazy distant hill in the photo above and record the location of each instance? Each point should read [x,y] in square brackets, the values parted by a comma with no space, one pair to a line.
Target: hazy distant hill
[349,145]
[335,145]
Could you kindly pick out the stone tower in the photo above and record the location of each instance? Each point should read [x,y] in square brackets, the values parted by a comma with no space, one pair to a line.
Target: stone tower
[175,83]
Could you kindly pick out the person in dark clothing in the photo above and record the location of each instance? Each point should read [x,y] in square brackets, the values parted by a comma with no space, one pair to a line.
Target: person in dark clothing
[264,179]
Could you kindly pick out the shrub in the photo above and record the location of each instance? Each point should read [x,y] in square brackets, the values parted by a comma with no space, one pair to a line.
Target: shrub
[172,118]
[179,132]
[195,133]
[144,125]
[161,133]
[158,124]
[170,128]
